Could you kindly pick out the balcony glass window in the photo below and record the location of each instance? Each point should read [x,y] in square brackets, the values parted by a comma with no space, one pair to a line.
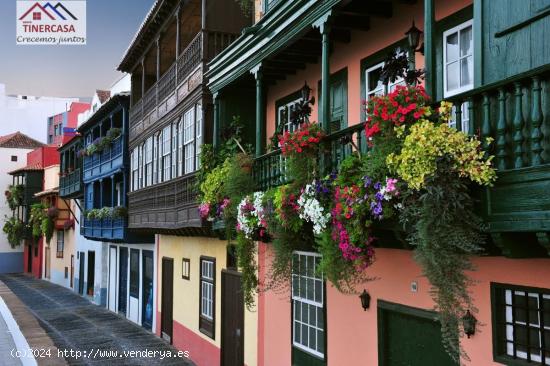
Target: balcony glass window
[166,151]
[149,161]
[199,136]
[175,160]
[189,139]
[374,85]
[134,163]
[140,163]
[60,243]
[458,59]
[156,157]
[180,147]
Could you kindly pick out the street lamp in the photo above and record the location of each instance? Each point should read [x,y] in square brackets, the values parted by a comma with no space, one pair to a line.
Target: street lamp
[469,323]
[365,300]
[413,37]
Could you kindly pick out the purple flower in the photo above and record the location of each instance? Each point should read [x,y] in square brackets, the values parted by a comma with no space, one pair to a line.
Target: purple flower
[379,196]
[377,186]
[368,181]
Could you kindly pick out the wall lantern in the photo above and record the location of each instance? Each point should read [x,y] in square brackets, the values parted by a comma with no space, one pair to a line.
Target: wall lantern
[413,37]
[365,300]
[469,323]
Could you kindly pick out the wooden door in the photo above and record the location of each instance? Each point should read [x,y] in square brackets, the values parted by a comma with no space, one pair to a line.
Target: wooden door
[91,273]
[166,322]
[409,336]
[81,264]
[232,341]
[47,259]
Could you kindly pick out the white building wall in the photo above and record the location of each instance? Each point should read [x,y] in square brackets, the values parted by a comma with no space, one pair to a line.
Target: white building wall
[28,114]
[11,260]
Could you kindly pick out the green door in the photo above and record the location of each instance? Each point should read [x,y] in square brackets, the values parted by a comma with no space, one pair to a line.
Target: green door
[409,337]
[338,91]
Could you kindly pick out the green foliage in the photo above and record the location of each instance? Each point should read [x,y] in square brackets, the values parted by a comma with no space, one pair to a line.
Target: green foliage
[14,196]
[246,5]
[47,228]
[212,187]
[238,184]
[41,223]
[119,212]
[445,232]
[246,258]
[107,213]
[14,230]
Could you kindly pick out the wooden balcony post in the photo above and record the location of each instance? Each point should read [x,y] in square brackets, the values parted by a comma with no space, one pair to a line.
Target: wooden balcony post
[113,191]
[177,16]
[518,126]
[216,127]
[536,121]
[100,193]
[260,110]
[157,42]
[324,27]
[501,131]
[429,16]
[142,78]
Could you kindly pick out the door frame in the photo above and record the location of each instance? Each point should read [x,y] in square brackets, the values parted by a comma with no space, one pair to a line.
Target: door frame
[163,303]
[224,296]
[72,270]
[113,262]
[386,306]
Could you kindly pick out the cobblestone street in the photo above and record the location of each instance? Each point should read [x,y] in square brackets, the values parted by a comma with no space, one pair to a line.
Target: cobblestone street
[75,324]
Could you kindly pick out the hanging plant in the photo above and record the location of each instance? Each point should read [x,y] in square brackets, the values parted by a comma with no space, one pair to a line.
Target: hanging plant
[119,212]
[14,230]
[252,218]
[14,196]
[68,224]
[246,6]
[114,133]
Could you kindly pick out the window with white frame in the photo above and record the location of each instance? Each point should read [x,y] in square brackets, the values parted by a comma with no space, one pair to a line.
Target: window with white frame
[166,150]
[134,160]
[308,315]
[198,124]
[156,157]
[180,147]
[140,162]
[207,296]
[149,161]
[175,160]
[374,85]
[522,326]
[458,59]
[189,139]
[284,114]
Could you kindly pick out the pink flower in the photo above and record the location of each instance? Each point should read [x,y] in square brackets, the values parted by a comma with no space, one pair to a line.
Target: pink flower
[390,184]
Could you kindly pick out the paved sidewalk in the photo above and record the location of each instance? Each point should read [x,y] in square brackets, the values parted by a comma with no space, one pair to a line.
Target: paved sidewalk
[7,345]
[73,323]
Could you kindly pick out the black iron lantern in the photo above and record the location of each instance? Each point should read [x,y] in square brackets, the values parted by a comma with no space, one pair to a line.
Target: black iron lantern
[365,300]
[413,36]
[469,323]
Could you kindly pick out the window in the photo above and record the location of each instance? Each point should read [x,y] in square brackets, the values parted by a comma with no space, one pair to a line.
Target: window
[458,59]
[284,113]
[149,161]
[134,170]
[60,243]
[185,268]
[166,150]
[308,316]
[180,147]
[198,124]
[140,166]
[373,84]
[522,329]
[156,157]
[175,150]
[14,158]
[134,273]
[189,139]
[36,16]
[207,296]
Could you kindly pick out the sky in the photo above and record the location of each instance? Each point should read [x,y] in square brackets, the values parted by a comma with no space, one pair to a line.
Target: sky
[70,71]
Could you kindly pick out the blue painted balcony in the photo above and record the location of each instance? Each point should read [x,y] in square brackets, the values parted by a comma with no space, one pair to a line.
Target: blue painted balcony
[70,172]
[104,229]
[105,163]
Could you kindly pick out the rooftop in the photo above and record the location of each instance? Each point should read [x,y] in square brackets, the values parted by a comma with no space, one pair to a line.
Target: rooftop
[18,140]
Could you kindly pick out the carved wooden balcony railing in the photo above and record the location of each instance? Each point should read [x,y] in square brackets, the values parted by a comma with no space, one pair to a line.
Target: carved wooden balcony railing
[70,184]
[269,169]
[103,229]
[183,76]
[104,163]
[168,206]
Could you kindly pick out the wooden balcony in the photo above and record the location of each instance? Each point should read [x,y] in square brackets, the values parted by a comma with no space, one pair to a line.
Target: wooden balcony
[104,163]
[106,229]
[182,78]
[70,185]
[169,207]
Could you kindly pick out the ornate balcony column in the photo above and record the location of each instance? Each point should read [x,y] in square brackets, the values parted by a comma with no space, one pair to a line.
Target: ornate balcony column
[260,110]
[323,24]
[429,16]
[177,16]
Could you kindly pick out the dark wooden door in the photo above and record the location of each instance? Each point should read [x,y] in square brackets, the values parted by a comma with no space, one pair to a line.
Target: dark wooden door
[232,341]
[123,280]
[29,259]
[147,285]
[81,264]
[166,322]
[91,273]
[409,337]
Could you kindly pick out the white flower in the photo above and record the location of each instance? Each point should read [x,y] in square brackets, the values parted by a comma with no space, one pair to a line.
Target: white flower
[247,219]
[311,209]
